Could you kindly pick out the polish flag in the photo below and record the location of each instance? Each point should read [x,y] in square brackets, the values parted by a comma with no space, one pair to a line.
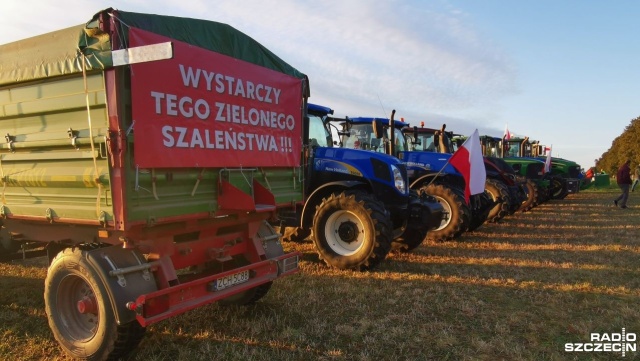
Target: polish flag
[547,163]
[507,135]
[468,161]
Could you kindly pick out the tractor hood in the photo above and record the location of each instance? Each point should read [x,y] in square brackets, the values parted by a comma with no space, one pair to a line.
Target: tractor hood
[427,161]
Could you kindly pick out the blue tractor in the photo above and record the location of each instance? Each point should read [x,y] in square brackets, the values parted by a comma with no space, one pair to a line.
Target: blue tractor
[357,205]
[429,173]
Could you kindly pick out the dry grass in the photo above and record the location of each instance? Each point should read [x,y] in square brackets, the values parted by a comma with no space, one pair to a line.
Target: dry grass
[517,290]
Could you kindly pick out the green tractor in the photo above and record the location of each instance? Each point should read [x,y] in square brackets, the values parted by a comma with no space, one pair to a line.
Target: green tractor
[563,177]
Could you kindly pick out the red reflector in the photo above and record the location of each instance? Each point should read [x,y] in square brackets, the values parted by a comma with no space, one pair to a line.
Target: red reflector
[156,306]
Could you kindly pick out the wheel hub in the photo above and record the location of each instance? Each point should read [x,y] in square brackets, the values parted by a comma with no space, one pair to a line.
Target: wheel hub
[348,231]
[87,305]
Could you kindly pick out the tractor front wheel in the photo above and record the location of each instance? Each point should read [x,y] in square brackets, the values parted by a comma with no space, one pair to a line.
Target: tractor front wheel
[351,230]
[454,222]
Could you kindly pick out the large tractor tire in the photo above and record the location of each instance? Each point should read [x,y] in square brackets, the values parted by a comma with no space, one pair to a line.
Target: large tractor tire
[272,248]
[499,193]
[532,197]
[456,213]
[80,313]
[410,239]
[351,230]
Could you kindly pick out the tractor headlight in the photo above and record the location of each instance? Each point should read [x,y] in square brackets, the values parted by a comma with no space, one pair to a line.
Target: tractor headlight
[398,180]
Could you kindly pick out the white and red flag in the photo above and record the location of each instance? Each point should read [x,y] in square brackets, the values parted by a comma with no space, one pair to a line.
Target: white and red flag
[507,135]
[547,162]
[468,161]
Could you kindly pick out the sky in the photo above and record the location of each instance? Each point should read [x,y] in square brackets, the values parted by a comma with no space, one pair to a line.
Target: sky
[563,72]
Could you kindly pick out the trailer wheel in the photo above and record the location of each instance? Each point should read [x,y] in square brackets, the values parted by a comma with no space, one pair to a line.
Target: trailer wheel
[456,213]
[499,193]
[273,248]
[80,313]
[351,230]
[532,196]
[409,240]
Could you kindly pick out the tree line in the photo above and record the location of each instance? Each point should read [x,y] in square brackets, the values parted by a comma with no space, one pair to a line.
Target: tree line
[625,146]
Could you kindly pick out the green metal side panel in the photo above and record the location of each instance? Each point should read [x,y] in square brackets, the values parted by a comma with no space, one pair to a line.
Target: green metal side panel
[165,193]
[153,195]
[47,163]
[284,183]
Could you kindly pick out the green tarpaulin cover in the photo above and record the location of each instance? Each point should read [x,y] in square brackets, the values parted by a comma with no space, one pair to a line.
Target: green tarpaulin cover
[60,52]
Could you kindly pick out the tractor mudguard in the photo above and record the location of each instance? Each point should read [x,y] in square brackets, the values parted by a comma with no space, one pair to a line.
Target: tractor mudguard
[125,274]
[309,209]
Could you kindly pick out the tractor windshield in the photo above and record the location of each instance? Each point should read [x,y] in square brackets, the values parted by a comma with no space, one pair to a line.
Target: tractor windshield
[319,136]
[361,136]
[513,149]
[425,143]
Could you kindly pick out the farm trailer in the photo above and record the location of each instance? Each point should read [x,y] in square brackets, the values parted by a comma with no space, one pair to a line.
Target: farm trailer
[148,153]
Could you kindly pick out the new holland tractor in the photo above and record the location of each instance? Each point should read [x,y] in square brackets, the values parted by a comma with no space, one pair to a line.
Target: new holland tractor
[429,173]
[357,204]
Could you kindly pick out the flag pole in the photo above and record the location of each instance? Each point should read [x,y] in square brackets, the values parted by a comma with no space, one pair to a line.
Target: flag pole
[440,171]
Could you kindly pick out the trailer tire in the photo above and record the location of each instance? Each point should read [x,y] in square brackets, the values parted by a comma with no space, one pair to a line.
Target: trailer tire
[500,194]
[80,313]
[352,230]
[458,214]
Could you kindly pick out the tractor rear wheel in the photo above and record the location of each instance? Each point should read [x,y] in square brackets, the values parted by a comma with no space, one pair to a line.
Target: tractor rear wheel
[80,313]
[499,193]
[454,222]
[351,230]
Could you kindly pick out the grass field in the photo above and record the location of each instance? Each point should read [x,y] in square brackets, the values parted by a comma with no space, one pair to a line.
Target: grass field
[517,290]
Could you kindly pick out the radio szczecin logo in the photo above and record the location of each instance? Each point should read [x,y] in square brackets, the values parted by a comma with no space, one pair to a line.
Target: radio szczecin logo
[606,342]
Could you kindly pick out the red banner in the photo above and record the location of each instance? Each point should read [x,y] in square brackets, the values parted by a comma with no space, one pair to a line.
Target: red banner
[205,109]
